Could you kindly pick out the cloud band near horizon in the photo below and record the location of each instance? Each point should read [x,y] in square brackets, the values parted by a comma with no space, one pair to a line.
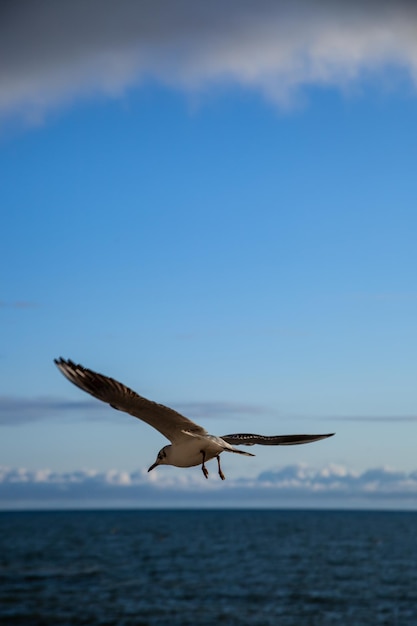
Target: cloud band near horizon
[291,485]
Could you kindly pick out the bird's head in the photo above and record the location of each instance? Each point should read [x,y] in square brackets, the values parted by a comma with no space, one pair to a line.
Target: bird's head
[161,459]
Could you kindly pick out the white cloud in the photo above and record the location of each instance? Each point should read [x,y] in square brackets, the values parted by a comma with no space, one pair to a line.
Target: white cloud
[292,485]
[54,52]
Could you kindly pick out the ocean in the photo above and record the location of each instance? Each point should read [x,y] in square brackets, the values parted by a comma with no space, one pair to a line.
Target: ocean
[208,567]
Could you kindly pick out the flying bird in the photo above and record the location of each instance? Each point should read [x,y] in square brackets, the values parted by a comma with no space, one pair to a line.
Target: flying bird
[191,445]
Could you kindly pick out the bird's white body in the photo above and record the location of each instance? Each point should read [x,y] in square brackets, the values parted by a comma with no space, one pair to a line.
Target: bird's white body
[190,443]
[188,451]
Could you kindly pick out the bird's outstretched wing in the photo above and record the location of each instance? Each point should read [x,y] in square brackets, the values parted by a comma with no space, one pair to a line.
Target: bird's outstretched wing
[170,423]
[247,439]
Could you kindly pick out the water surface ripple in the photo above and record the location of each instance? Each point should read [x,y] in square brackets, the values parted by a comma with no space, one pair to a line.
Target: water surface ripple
[278,568]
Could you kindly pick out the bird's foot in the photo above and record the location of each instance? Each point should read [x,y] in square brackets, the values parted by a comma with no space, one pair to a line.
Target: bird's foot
[222,476]
[203,466]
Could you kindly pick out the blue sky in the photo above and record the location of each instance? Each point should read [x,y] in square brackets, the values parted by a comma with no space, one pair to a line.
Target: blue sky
[221,213]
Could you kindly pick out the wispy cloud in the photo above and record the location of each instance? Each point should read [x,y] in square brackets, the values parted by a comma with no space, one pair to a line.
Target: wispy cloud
[18,304]
[54,52]
[383,296]
[16,411]
[374,418]
[292,485]
[219,409]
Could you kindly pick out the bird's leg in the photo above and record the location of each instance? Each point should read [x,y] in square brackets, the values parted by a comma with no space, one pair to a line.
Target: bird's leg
[203,466]
[222,476]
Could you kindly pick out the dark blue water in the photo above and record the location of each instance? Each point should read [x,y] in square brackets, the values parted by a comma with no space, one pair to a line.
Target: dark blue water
[208,567]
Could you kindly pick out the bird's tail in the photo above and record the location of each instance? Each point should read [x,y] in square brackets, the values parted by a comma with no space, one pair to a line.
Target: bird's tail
[238,451]
[218,440]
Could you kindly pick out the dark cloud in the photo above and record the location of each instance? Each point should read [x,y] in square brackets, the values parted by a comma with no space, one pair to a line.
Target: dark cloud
[293,485]
[16,411]
[219,409]
[52,52]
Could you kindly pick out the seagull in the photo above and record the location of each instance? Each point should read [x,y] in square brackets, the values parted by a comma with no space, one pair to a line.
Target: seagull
[191,445]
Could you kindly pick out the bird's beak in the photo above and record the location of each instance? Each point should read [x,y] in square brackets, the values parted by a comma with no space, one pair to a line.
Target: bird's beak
[153,466]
